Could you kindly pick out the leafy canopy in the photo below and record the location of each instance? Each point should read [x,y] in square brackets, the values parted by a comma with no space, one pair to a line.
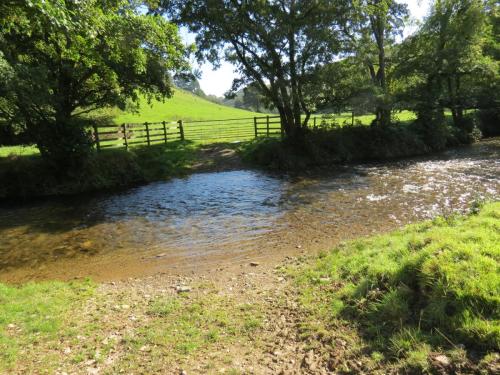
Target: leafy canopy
[63,59]
[274,44]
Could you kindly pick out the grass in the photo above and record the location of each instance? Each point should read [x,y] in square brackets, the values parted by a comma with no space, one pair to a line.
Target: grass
[183,106]
[431,287]
[387,304]
[50,326]
[179,327]
[188,107]
[37,312]
[6,151]
[183,326]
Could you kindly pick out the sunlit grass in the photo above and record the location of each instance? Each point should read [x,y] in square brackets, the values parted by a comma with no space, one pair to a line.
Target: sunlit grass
[36,312]
[412,291]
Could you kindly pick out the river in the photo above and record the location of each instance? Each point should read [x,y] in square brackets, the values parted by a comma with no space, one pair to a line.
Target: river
[212,218]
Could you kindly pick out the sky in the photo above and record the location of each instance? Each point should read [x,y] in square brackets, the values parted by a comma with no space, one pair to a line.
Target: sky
[217,82]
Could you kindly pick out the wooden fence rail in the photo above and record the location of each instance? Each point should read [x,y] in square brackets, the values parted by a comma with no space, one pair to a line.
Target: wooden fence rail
[226,130]
[128,134]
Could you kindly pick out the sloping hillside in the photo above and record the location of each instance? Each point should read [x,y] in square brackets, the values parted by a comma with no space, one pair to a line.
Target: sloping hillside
[183,105]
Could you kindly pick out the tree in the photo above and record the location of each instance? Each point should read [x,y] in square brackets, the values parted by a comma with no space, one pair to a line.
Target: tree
[253,98]
[68,58]
[343,85]
[189,82]
[444,63]
[276,44]
[371,27]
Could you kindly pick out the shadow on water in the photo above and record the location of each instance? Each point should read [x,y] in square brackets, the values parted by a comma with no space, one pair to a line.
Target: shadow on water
[237,211]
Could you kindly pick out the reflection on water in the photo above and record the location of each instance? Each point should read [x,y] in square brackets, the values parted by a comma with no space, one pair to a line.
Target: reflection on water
[234,212]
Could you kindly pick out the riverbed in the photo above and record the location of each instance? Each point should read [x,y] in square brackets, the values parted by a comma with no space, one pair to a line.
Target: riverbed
[209,220]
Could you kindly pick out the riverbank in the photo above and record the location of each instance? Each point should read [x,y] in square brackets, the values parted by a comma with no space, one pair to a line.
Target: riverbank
[421,299]
[206,221]
[329,146]
[24,177]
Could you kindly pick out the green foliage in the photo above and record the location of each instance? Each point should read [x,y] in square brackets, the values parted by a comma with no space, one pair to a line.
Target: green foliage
[66,59]
[328,145]
[431,285]
[447,63]
[31,176]
[36,311]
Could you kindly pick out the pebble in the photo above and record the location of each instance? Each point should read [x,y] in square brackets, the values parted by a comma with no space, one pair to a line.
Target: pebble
[183,289]
[442,360]
[254,264]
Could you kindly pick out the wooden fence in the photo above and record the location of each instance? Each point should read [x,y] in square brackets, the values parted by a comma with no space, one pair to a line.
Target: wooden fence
[147,133]
[227,130]
[267,126]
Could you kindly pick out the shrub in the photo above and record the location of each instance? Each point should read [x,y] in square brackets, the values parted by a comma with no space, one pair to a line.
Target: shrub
[33,176]
[489,121]
[325,146]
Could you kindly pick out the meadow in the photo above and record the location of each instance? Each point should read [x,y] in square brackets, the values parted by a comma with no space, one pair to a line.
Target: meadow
[198,115]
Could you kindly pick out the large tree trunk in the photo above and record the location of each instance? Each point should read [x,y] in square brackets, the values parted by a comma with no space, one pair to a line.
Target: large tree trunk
[382,112]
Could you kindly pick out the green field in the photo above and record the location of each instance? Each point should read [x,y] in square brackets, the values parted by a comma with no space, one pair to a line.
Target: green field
[183,106]
[188,107]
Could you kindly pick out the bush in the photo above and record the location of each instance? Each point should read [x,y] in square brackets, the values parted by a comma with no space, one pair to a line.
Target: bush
[23,177]
[325,146]
[64,146]
[33,176]
[489,121]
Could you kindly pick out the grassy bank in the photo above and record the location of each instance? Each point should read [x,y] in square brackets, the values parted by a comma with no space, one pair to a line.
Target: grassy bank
[401,300]
[424,299]
[29,176]
[79,327]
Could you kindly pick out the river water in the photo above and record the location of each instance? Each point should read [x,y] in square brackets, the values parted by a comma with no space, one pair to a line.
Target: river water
[228,215]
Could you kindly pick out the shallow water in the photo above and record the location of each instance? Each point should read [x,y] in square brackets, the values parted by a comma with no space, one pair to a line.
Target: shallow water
[228,214]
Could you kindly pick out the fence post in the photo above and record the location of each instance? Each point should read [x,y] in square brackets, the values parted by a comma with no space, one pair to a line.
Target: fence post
[125,140]
[165,131]
[315,127]
[96,137]
[267,124]
[352,120]
[147,133]
[181,129]
[255,126]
